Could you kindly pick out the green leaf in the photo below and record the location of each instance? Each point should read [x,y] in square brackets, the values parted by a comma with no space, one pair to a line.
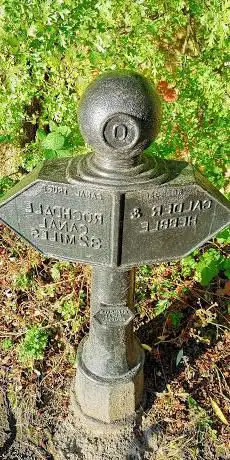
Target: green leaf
[6,344]
[53,141]
[5,138]
[226,268]
[146,347]
[50,154]
[175,318]
[188,265]
[208,267]
[5,183]
[32,346]
[64,153]
[219,412]
[64,130]
[224,236]
[145,270]
[161,306]
[68,309]
[53,126]
[193,404]
[206,274]
[40,134]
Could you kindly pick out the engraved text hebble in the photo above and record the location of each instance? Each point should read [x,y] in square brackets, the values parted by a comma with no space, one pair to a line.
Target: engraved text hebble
[180,220]
[166,226]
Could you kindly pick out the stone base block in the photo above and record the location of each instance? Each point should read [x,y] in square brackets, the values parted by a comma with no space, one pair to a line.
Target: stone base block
[108,400]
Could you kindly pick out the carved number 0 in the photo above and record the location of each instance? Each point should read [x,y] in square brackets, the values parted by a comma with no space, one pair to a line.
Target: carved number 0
[120,132]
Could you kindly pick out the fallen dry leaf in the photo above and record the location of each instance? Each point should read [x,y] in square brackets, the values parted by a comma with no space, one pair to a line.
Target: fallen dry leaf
[219,412]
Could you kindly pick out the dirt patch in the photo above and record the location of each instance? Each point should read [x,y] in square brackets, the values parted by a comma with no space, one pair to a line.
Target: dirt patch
[75,442]
[10,449]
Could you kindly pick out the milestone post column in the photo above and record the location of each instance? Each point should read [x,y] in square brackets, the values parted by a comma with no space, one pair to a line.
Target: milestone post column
[119,116]
[109,380]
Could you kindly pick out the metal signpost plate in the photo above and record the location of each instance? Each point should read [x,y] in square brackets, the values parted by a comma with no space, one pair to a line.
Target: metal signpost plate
[62,220]
[80,221]
[167,223]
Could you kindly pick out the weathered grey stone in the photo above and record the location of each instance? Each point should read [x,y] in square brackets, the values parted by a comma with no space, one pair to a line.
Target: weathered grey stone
[108,401]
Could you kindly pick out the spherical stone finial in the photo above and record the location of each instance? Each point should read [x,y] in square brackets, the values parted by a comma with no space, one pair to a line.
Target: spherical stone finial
[119,116]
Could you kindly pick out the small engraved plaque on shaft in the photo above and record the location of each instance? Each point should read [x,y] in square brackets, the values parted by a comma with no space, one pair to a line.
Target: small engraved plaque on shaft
[114,315]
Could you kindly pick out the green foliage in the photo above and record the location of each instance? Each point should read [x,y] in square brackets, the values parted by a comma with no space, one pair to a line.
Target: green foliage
[57,143]
[207,266]
[199,414]
[5,139]
[55,272]
[6,344]
[82,298]
[224,236]
[161,306]
[50,51]
[54,141]
[145,270]
[175,317]
[5,183]
[68,309]
[23,281]
[226,267]
[189,264]
[72,358]
[32,347]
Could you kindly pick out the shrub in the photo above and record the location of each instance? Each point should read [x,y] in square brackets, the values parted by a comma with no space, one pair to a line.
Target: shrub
[51,50]
[33,344]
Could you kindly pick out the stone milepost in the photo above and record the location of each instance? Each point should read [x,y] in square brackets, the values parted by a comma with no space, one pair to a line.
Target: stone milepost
[115,208]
